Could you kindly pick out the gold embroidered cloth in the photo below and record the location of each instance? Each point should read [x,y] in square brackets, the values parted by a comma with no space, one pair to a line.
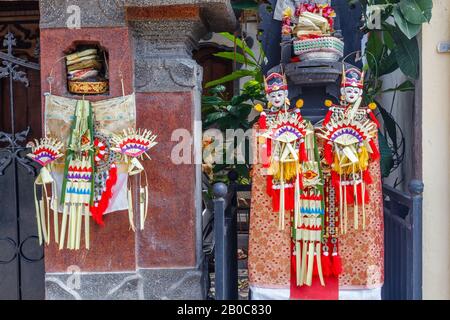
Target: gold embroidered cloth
[111,116]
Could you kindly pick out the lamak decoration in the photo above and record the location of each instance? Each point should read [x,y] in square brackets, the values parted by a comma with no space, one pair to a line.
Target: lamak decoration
[133,145]
[349,131]
[294,178]
[45,152]
[90,157]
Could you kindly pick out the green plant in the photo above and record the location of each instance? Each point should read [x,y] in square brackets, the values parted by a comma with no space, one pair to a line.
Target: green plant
[251,65]
[245,4]
[222,113]
[392,45]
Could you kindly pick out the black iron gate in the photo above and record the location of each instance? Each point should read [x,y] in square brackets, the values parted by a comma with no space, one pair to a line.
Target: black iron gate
[21,256]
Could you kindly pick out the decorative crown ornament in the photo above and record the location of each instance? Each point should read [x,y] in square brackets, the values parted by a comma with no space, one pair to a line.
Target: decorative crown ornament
[134,144]
[275,82]
[45,152]
[352,78]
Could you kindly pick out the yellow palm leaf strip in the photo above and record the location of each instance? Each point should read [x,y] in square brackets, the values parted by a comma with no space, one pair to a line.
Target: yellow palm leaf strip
[86,229]
[72,225]
[44,227]
[79,220]
[130,209]
[63,225]
[141,207]
[38,214]
[319,263]
[309,275]
[47,211]
[55,213]
[304,260]
[146,195]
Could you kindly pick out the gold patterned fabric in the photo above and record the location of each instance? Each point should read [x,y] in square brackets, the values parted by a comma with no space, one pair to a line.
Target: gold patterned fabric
[111,116]
[362,251]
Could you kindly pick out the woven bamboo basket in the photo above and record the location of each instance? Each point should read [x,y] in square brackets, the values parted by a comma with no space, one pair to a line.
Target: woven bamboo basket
[324,48]
[80,87]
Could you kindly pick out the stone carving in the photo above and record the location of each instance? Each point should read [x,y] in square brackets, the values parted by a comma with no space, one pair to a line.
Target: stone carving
[111,13]
[145,284]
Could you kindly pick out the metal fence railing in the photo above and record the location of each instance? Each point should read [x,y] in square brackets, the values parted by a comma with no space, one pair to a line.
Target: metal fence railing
[403,242]
[225,234]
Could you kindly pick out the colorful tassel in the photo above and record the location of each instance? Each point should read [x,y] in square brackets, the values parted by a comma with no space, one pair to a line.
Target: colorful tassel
[326,265]
[99,208]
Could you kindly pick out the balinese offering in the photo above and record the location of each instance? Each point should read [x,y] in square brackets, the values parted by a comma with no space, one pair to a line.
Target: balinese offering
[316,226]
[293,181]
[91,167]
[45,152]
[350,132]
[87,72]
[312,29]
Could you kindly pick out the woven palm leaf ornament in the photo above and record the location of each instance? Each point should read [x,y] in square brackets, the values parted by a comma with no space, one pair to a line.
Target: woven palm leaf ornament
[134,145]
[350,131]
[282,138]
[287,133]
[77,195]
[294,179]
[45,151]
[105,176]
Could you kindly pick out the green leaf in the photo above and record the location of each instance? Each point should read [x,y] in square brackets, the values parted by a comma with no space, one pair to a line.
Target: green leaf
[243,170]
[241,111]
[375,48]
[390,125]
[245,5]
[407,54]
[388,65]
[233,76]
[404,87]
[217,89]
[409,29]
[234,56]
[388,40]
[239,43]
[212,100]
[238,99]
[213,117]
[416,11]
[387,158]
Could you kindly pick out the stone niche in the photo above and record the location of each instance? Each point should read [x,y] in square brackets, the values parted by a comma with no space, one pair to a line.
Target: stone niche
[87,68]
[152,41]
